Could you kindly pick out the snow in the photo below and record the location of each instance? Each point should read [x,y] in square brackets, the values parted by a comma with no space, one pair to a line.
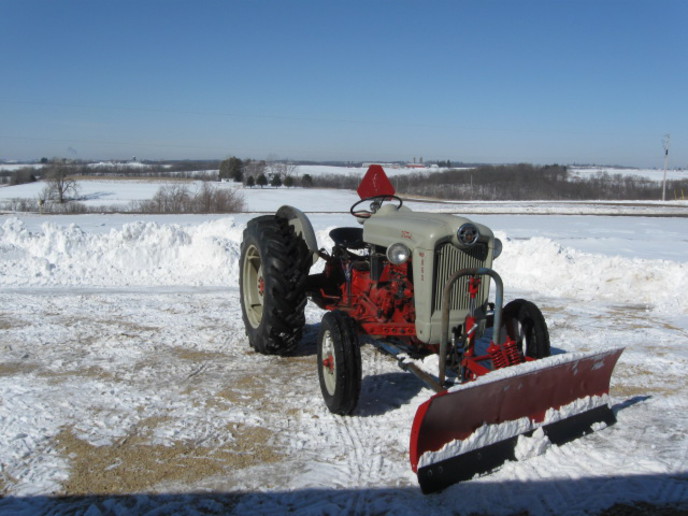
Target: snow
[123,333]
[498,432]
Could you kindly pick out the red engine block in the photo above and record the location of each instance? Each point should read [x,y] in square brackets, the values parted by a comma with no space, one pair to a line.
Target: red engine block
[384,307]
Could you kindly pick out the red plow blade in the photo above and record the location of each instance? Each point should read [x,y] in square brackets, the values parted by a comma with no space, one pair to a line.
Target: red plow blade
[473,428]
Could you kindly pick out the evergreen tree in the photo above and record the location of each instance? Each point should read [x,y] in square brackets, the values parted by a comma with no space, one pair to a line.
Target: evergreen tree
[232,168]
[307,181]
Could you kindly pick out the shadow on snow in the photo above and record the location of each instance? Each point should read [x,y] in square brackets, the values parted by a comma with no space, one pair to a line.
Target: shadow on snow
[623,495]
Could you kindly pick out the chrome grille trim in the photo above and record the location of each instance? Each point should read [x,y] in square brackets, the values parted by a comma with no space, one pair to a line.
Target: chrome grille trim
[448,260]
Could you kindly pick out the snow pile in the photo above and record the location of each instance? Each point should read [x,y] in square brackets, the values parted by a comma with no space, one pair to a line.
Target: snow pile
[206,253]
[542,265]
[138,253]
[532,446]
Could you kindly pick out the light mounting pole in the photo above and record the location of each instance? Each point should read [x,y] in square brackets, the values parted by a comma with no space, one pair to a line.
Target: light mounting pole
[666,140]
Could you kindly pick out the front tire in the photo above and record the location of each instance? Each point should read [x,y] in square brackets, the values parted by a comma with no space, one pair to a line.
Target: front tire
[339,362]
[526,325]
[273,268]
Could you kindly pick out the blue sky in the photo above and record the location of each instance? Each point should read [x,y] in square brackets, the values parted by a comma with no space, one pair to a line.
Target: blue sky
[557,81]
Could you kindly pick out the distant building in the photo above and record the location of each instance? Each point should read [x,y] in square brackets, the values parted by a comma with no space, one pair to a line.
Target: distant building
[382,164]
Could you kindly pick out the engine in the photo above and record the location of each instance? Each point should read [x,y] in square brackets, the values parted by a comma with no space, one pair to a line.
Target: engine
[371,289]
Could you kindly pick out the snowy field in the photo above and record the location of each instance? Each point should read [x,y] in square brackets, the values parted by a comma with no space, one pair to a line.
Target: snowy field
[655,174]
[127,384]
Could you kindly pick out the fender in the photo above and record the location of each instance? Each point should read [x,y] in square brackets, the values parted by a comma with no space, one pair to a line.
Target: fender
[302,226]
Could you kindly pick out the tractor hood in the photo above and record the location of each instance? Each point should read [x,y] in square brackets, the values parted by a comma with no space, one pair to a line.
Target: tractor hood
[416,229]
[431,238]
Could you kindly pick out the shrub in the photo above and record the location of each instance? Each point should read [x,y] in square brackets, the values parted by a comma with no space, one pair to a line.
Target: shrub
[180,199]
[22,176]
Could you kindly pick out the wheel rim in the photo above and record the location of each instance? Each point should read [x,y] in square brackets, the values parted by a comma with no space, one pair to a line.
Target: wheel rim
[521,335]
[328,365]
[253,286]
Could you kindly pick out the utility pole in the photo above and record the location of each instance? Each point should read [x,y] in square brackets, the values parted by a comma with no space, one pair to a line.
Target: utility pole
[665,143]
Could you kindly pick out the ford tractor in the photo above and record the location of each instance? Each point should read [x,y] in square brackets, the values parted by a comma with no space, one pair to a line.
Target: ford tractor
[415,284]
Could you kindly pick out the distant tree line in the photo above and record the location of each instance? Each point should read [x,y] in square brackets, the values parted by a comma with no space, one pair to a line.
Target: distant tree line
[19,176]
[262,173]
[481,182]
[519,182]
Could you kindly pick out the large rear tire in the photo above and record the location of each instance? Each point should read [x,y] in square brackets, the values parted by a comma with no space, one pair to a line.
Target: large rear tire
[273,269]
[526,325]
[339,362]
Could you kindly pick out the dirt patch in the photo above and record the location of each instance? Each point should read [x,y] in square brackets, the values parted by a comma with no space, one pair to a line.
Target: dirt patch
[243,388]
[12,368]
[195,355]
[7,323]
[3,483]
[87,372]
[133,465]
[640,390]
[124,328]
[626,386]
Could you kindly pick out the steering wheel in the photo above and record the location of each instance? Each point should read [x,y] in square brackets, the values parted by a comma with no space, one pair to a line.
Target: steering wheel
[375,203]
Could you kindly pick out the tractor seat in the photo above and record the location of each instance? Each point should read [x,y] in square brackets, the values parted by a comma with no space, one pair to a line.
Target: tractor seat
[351,238]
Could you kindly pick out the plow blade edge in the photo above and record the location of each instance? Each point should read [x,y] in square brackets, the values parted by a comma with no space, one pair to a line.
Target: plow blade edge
[474,428]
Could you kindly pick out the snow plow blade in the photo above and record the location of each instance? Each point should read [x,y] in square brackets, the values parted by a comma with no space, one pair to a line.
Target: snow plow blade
[473,428]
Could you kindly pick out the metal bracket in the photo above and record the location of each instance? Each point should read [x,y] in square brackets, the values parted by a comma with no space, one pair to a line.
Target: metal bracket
[497,325]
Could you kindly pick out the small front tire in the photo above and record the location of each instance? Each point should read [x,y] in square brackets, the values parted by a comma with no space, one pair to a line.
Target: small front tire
[526,325]
[339,362]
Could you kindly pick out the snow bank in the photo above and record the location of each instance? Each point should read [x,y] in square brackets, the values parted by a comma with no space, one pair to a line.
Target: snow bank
[206,254]
[137,254]
[540,264]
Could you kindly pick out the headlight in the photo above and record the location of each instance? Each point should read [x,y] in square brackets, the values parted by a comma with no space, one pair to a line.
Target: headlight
[398,253]
[497,249]
[468,234]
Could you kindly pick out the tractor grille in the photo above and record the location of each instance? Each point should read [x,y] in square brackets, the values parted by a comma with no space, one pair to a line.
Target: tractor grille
[449,259]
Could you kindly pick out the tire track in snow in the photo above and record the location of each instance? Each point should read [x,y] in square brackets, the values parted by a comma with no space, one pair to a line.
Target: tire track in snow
[363,461]
[361,458]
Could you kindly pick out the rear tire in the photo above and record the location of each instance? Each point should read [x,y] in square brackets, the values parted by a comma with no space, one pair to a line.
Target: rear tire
[526,325]
[339,362]
[273,268]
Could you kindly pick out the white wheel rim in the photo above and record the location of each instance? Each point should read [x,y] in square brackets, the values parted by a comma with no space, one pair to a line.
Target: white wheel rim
[253,286]
[329,370]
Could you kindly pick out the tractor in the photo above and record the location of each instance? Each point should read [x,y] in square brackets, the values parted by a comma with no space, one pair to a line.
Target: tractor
[415,284]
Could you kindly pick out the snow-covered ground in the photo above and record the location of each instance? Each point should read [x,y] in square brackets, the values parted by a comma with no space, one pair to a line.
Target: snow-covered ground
[654,174]
[126,374]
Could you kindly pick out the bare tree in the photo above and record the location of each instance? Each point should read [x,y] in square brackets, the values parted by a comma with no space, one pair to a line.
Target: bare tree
[283,169]
[253,169]
[61,184]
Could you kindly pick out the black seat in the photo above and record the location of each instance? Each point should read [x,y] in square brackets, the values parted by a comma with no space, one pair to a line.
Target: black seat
[351,238]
